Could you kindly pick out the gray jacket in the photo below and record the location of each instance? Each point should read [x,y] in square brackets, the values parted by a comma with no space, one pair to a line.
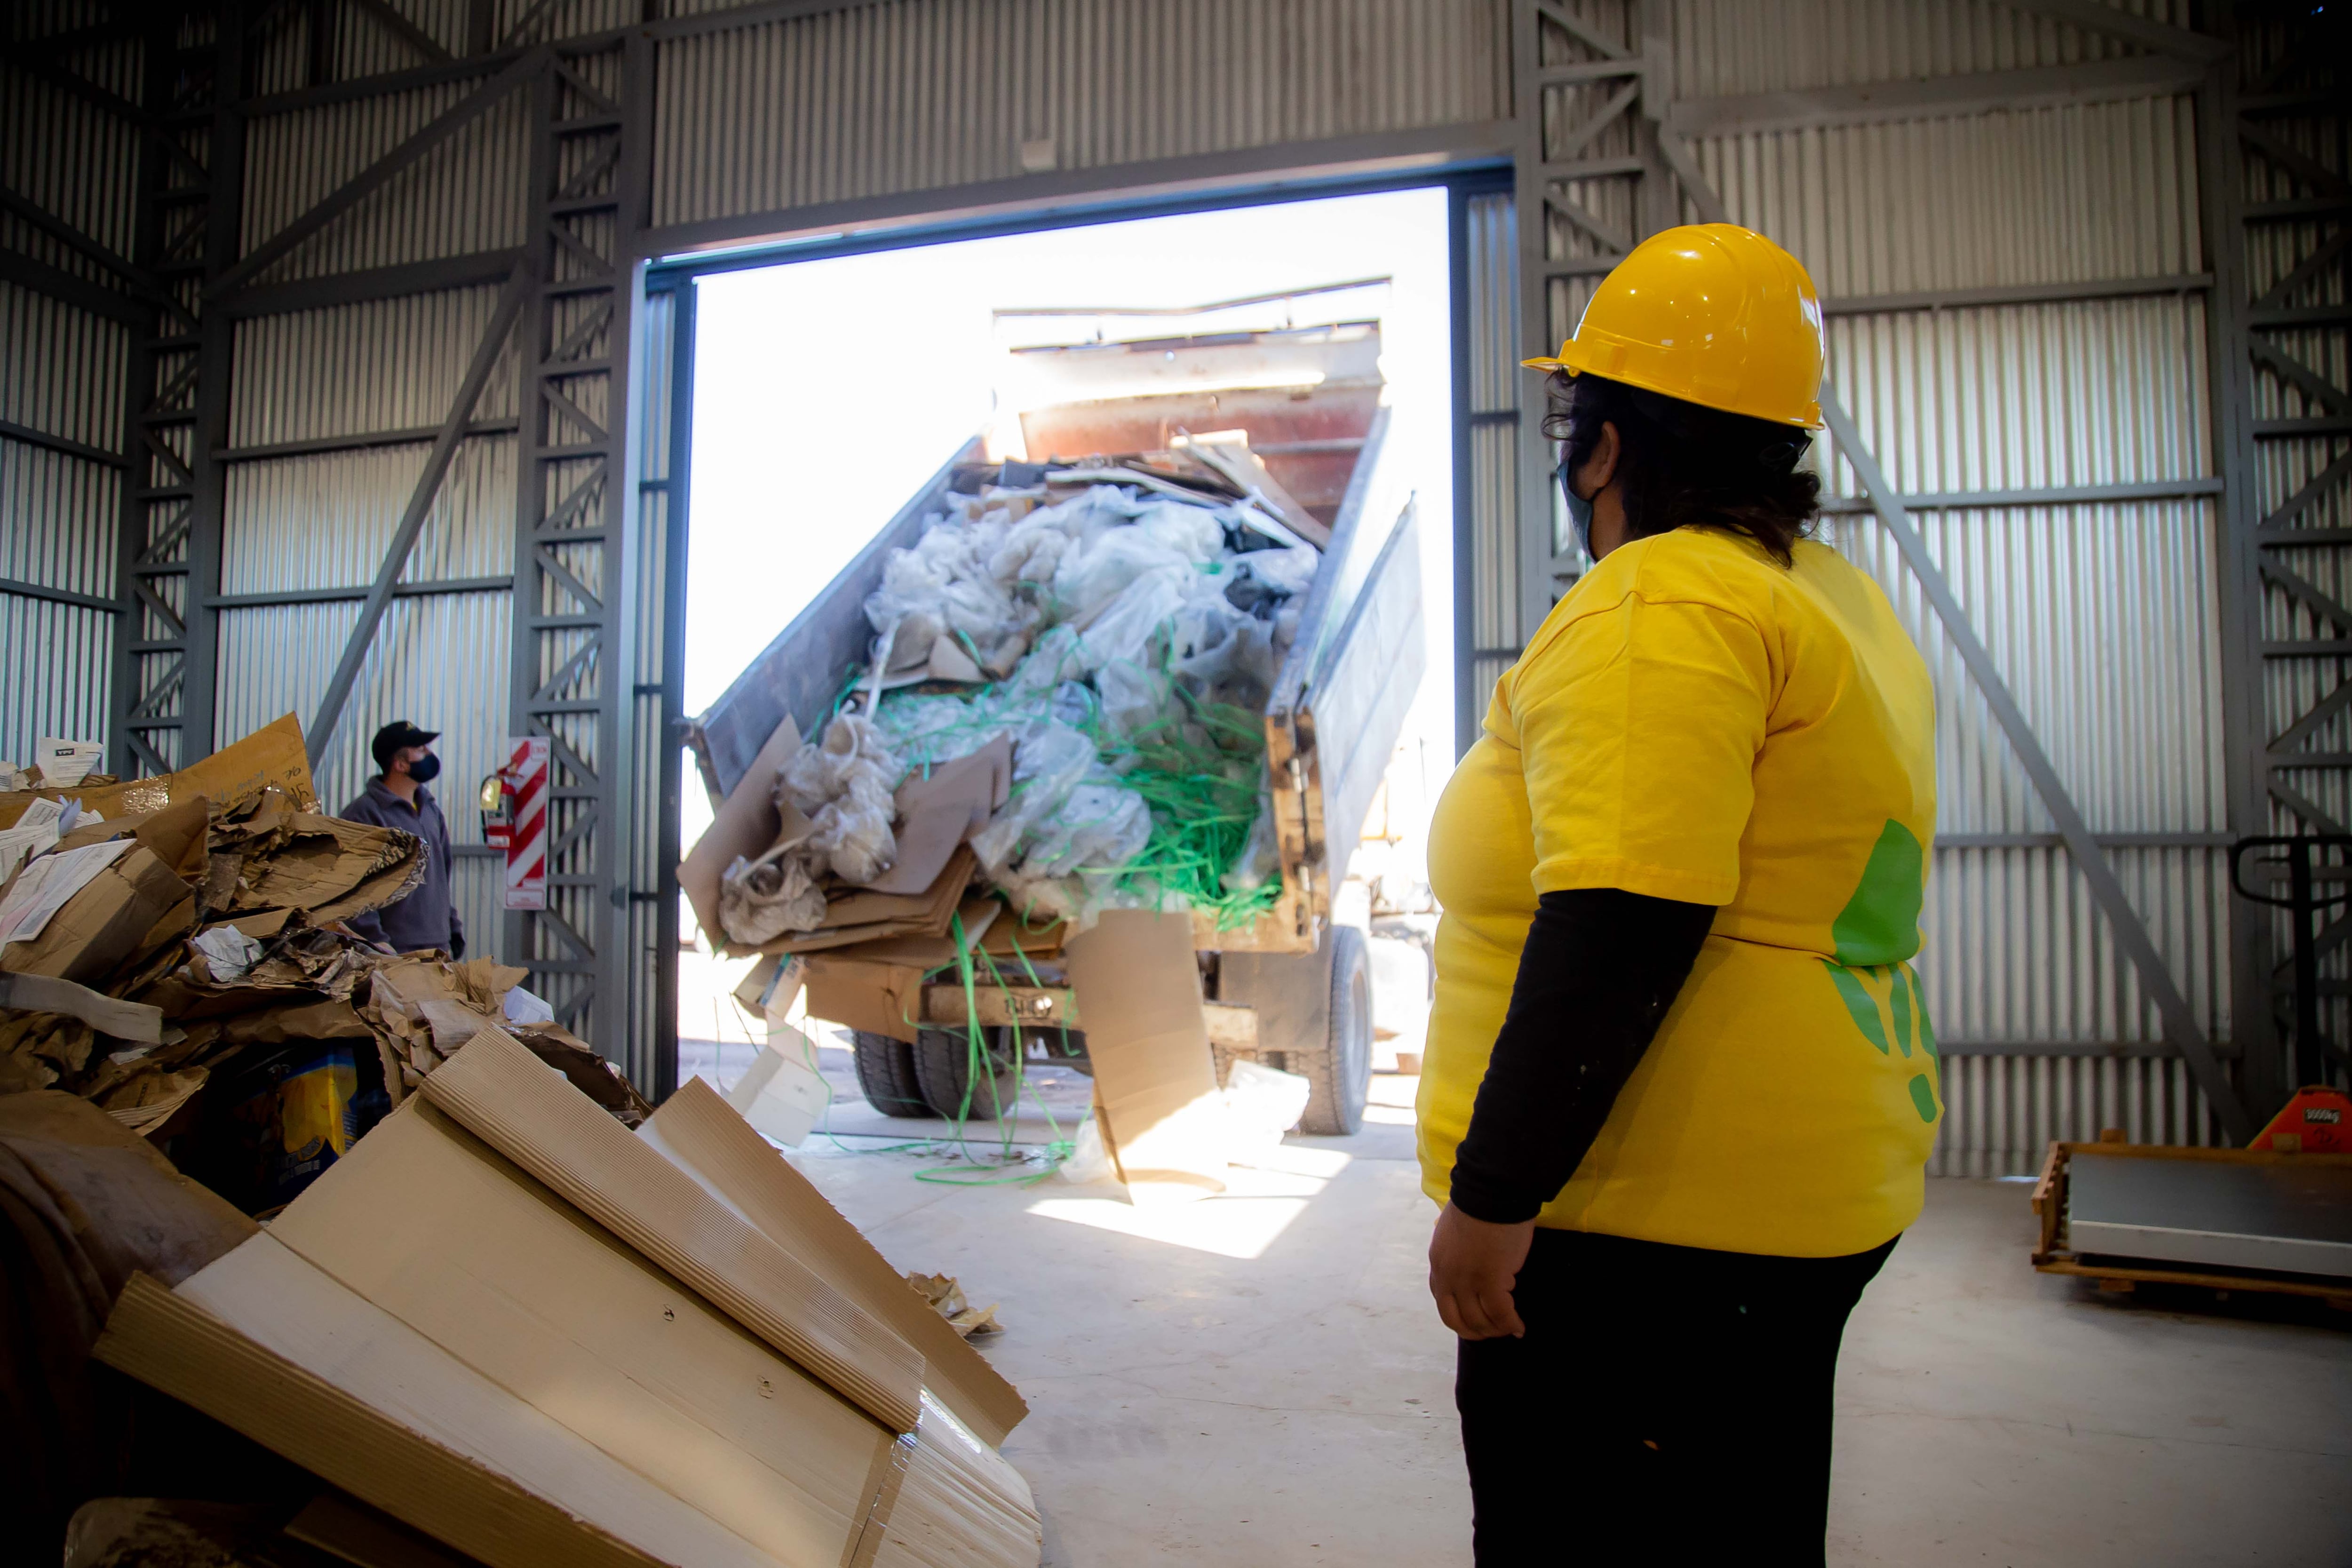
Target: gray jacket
[426,917]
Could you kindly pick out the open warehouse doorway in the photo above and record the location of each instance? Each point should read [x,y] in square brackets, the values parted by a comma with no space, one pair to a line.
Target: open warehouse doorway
[827,388]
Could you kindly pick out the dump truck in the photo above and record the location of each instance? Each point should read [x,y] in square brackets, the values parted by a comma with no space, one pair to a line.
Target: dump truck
[1296,417]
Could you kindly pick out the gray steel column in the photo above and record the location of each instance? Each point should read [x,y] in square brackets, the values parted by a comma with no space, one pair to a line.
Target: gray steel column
[575,523]
[2221,176]
[176,494]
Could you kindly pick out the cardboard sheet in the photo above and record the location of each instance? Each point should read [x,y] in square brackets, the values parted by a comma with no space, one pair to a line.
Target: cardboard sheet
[938,813]
[746,823]
[1140,991]
[939,904]
[333,868]
[856,994]
[272,757]
[429,1224]
[499,1091]
[705,1137]
[271,1346]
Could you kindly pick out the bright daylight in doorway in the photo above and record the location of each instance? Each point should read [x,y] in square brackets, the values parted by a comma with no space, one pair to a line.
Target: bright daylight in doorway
[826,391]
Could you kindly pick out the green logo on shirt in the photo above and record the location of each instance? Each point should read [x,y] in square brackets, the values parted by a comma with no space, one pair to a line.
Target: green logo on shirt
[1877,930]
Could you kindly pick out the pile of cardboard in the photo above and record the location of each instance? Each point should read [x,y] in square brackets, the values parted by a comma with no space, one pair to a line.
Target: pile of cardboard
[534,1337]
[177,928]
[150,930]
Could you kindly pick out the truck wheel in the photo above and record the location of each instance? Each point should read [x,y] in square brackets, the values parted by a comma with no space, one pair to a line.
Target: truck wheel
[943,1068]
[1341,1072]
[885,1074]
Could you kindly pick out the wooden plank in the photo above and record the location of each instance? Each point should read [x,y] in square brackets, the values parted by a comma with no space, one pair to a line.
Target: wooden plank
[1231,1025]
[2050,1199]
[1042,1006]
[428,1222]
[499,1091]
[2212,1156]
[2068,1265]
[271,1347]
[703,1136]
[1286,927]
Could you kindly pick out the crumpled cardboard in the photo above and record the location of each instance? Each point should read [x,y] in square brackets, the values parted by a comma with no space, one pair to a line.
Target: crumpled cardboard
[743,827]
[945,1294]
[332,868]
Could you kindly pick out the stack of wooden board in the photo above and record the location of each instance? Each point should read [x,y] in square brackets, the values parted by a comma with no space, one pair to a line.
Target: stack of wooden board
[510,1324]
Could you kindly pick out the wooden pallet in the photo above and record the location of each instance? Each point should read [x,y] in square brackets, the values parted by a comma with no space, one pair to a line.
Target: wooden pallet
[2119,1277]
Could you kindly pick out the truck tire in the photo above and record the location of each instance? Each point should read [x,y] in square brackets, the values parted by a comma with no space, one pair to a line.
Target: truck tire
[886,1075]
[1340,1074]
[943,1068]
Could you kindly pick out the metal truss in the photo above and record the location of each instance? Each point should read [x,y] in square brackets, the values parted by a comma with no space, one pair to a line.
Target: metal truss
[191,181]
[1592,182]
[2278,209]
[573,626]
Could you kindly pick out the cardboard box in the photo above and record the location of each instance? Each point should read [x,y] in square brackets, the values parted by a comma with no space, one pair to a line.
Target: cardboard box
[103,923]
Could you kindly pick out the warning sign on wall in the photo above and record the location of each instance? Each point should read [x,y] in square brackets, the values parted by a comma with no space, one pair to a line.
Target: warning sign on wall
[525,778]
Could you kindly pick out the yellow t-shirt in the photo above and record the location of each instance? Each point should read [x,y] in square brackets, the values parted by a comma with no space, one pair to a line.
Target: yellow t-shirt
[1696,721]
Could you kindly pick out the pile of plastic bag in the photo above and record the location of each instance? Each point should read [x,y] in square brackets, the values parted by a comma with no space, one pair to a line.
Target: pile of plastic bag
[1125,642]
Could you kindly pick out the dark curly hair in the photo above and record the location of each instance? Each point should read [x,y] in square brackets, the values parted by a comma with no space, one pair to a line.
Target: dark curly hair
[1681,463]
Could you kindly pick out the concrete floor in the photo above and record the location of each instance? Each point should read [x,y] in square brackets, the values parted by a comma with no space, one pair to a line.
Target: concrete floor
[1259,1380]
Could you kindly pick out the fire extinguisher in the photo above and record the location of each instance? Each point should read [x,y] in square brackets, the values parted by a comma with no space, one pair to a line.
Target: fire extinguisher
[497,799]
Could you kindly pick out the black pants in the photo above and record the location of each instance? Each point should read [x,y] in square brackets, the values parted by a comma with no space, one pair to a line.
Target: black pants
[1668,1405]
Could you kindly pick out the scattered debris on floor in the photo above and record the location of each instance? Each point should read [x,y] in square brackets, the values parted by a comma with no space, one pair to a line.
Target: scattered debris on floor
[947,1298]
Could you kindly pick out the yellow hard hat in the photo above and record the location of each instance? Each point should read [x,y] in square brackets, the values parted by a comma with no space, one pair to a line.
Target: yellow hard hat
[1709,313]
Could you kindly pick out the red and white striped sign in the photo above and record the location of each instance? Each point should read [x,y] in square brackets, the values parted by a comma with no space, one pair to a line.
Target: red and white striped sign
[526,780]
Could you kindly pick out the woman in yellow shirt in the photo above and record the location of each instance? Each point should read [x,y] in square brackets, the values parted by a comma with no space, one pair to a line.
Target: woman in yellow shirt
[1680,1087]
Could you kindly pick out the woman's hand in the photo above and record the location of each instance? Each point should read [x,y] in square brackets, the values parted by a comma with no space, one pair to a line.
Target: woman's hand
[1472,1264]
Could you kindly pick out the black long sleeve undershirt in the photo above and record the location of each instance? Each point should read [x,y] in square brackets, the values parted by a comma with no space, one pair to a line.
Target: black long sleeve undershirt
[1600,969]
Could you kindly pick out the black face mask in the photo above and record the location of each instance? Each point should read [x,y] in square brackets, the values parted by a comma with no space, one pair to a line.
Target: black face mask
[424,769]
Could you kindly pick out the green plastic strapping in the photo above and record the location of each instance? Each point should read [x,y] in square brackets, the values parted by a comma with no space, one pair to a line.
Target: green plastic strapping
[1057,1149]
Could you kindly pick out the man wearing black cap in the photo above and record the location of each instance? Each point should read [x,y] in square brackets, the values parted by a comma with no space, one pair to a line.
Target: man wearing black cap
[396,797]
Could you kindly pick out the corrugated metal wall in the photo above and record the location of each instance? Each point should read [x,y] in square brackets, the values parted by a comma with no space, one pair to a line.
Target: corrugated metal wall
[923,94]
[60,509]
[2102,617]
[1489,633]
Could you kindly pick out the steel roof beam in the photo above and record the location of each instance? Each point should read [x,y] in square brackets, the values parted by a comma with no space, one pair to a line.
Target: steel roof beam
[367,285]
[2032,87]
[2095,18]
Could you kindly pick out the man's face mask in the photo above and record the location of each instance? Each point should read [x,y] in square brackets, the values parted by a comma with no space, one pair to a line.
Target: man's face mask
[424,769]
